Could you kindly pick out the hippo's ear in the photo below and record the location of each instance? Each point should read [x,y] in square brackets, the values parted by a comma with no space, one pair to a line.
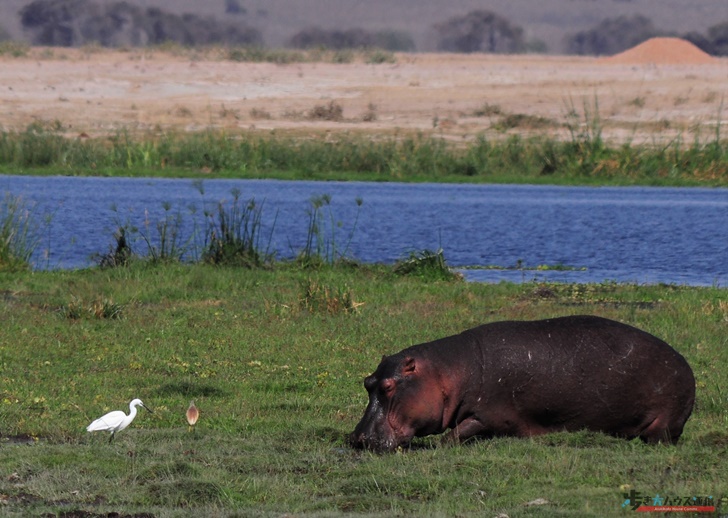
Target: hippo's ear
[409,366]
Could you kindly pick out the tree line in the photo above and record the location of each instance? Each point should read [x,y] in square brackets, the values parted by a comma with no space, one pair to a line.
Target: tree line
[72,23]
[614,35]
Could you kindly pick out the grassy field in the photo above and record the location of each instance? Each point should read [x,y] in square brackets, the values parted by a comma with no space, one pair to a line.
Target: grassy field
[274,356]
[274,359]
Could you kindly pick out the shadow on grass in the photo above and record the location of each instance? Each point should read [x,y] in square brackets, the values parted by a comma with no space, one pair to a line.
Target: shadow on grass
[19,439]
[331,435]
[713,439]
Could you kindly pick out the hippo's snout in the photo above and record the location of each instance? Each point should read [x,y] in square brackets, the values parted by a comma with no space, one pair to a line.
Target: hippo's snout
[371,434]
[362,441]
[395,388]
[358,440]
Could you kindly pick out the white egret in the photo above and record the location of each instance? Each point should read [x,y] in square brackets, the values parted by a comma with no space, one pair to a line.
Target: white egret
[192,415]
[117,420]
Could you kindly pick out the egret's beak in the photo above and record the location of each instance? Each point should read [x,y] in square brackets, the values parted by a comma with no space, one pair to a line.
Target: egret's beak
[147,408]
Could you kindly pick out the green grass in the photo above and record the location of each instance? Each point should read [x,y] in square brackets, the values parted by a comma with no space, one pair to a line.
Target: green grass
[275,360]
[583,158]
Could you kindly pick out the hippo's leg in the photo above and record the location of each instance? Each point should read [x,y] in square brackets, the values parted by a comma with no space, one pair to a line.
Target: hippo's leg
[465,429]
[659,431]
[507,424]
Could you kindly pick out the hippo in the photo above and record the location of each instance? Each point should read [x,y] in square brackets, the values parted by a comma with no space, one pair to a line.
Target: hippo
[525,378]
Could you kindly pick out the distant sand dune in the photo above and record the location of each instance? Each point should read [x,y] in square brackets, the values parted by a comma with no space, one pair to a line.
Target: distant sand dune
[663,51]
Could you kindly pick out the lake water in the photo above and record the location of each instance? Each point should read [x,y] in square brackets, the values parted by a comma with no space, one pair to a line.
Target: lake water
[625,234]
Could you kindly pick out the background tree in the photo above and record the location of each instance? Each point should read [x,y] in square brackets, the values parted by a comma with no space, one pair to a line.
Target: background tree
[396,41]
[234,7]
[71,23]
[55,22]
[331,39]
[119,25]
[715,42]
[480,31]
[4,34]
[611,35]
[719,35]
[351,39]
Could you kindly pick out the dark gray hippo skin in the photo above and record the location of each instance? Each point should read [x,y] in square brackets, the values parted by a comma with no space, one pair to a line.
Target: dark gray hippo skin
[524,378]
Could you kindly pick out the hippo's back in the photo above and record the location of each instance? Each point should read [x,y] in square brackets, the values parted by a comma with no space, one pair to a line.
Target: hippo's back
[587,372]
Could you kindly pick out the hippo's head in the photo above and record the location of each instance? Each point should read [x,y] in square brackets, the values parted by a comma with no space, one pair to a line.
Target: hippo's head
[405,401]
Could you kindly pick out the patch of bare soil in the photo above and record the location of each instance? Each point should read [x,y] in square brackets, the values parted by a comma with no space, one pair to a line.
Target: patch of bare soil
[664,51]
[453,95]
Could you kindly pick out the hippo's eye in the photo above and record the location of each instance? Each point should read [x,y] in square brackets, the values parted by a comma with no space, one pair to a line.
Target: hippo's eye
[388,385]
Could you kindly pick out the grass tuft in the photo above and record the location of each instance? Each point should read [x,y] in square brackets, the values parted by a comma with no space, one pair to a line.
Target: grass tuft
[426,265]
[321,298]
[100,309]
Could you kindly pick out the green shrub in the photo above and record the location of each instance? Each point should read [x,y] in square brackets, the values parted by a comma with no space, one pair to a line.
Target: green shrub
[427,265]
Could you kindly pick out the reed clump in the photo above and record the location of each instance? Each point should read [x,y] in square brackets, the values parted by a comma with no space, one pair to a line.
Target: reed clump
[230,233]
[18,233]
[426,265]
[317,297]
[233,234]
[102,308]
[583,157]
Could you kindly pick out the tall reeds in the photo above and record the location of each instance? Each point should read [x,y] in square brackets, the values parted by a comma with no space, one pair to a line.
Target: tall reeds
[321,236]
[234,232]
[18,233]
[584,153]
[227,234]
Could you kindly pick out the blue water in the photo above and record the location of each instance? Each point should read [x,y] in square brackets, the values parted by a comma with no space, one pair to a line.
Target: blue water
[625,234]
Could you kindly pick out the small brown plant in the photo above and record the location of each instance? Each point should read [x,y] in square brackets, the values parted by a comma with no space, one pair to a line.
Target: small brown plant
[100,309]
[318,298]
[488,110]
[260,113]
[371,114]
[328,112]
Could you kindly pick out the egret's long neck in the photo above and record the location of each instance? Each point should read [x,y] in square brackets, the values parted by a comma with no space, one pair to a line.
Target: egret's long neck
[132,414]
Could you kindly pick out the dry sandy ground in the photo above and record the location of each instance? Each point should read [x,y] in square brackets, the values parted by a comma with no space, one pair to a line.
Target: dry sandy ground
[101,92]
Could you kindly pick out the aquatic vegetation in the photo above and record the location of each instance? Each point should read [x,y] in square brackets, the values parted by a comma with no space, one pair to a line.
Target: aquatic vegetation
[321,237]
[584,157]
[425,264]
[18,233]
[233,234]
